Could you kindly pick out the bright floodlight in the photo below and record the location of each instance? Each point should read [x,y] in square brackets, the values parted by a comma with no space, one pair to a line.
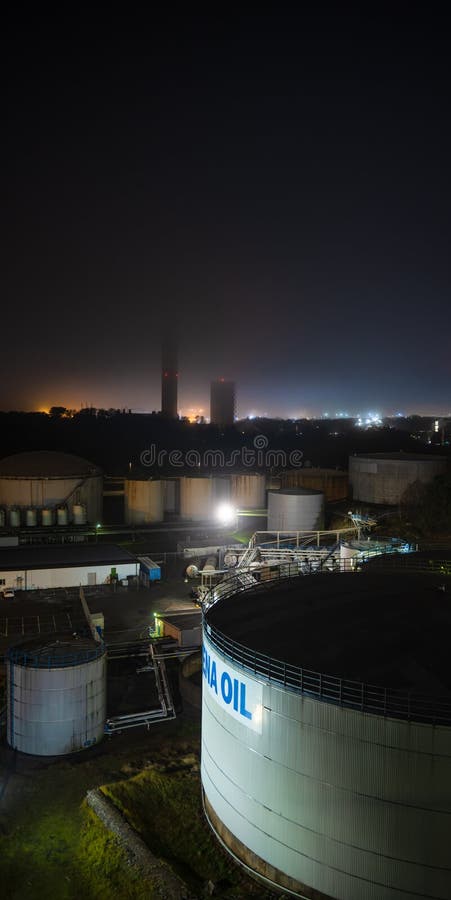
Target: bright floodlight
[226,514]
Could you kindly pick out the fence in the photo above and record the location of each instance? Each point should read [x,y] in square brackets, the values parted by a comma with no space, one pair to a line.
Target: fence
[375,699]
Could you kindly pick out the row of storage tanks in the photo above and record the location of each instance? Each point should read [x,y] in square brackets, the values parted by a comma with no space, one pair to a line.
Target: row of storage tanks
[197,499]
[32,516]
[191,497]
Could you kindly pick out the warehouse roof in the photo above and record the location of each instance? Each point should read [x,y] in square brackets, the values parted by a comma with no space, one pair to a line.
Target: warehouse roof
[46,464]
[62,556]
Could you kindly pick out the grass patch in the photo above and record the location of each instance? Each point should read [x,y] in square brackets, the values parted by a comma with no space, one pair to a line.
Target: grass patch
[53,845]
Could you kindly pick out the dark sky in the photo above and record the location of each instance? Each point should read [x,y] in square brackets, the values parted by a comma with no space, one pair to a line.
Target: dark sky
[275,186]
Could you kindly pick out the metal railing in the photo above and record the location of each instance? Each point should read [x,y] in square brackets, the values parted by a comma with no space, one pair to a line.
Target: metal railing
[369,698]
[53,659]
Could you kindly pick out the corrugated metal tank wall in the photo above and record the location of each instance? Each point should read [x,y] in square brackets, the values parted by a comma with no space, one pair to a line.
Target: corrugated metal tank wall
[143,502]
[295,509]
[375,479]
[248,491]
[333,484]
[353,806]
[196,498]
[53,711]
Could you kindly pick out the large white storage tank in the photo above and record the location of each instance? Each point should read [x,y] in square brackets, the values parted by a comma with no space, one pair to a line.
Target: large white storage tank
[315,779]
[383,477]
[56,692]
[295,509]
[196,498]
[46,479]
[143,501]
[248,491]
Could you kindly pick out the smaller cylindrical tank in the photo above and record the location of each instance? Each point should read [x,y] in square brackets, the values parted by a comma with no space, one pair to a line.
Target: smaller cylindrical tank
[56,695]
[47,517]
[31,517]
[2,518]
[79,514]
[62,516]
[295,509]
[192,571]
[230,560]
[348,555]
[14,518]
[210,565]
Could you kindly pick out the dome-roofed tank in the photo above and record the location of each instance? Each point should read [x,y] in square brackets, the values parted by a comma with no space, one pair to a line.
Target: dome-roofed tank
[56,695]
[47,479]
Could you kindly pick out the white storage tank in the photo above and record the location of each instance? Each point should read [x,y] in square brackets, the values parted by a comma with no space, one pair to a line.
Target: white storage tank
[62,515]
[47,479]
[79,514]
[248,491]
[384,477]
[196,498]
[295,509]
[143,501]
[47,517]
[56,695]
[14,518]
[326,748]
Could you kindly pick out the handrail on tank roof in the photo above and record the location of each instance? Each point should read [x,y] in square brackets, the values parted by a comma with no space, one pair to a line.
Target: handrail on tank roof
[375,699]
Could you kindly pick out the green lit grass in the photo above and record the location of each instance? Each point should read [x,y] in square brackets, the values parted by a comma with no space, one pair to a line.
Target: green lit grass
[53,847]
[165,809]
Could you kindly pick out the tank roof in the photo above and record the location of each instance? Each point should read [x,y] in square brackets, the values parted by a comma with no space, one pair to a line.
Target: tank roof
[384,629]
[58,652]
[400,456]
[46,464]
[296,492]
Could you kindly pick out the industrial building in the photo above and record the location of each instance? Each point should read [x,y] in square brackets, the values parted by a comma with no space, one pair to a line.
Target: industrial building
[384,477]
[56,690]
[326,734]
[46,488]
[40,567]
[222,402]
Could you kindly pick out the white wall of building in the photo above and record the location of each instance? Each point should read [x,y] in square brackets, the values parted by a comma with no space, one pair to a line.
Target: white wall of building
[68,576]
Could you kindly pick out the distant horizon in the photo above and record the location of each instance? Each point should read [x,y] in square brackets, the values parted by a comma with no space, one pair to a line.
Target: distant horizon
[267,414]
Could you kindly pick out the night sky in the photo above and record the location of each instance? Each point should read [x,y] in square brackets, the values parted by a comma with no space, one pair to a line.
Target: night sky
[275,186]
